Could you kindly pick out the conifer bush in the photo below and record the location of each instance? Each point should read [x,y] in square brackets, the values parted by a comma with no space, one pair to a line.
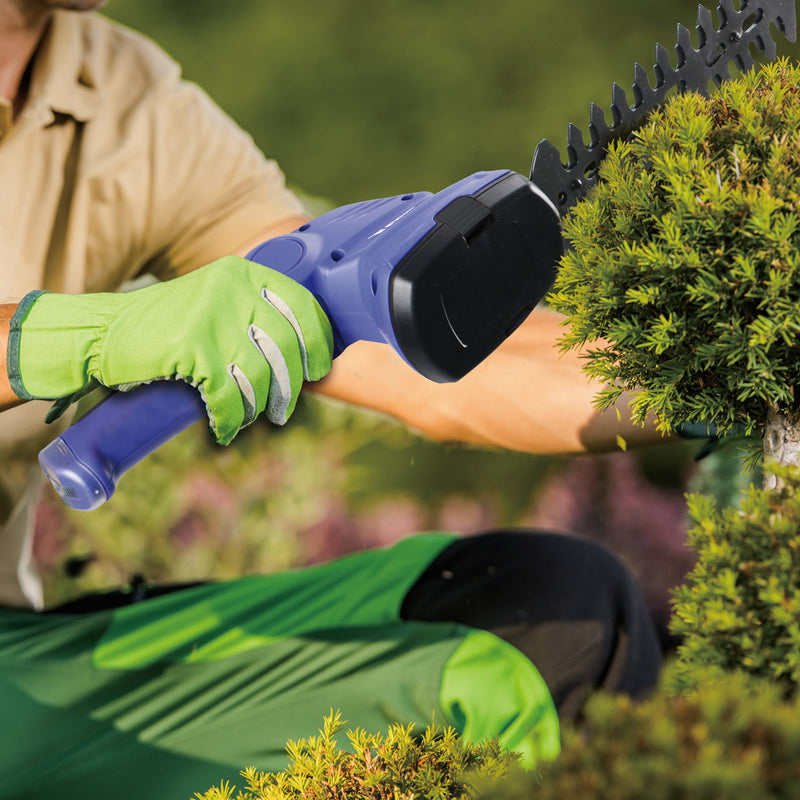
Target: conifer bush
[683,276]
[739,608]
[736,738]
[401,765]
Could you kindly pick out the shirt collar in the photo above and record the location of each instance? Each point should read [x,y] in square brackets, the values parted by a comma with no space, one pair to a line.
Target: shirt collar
[61,80]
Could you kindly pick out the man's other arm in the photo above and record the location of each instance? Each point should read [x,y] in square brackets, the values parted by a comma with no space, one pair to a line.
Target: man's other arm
[526,396]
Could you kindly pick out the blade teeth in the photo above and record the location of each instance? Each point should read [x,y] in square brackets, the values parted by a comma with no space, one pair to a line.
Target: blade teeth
[641,77]
[788,21]
[574,143]
[575,137]
[619,106]
[546,154]
[766,45]
[731,43]
[728,12]
[705,24]
[663,66]
[598,129]
[548,173]
[745,59]
[641,85]
[685,45]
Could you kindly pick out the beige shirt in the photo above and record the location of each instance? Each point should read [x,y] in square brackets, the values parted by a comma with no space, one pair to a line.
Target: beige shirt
[115,167]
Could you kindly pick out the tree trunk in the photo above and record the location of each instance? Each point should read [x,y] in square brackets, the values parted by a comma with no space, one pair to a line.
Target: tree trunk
[781,442]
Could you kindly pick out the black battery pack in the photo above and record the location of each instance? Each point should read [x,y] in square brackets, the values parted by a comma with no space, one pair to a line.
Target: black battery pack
[467,285]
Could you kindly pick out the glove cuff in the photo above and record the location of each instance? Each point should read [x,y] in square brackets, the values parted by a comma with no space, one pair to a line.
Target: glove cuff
[52,341]
[14,337]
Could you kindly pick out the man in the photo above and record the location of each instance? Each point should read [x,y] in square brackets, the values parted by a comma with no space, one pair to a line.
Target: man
[113,167]
[78,123]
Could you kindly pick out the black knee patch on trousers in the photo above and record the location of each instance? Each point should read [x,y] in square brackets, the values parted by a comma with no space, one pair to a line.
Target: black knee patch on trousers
[568,604]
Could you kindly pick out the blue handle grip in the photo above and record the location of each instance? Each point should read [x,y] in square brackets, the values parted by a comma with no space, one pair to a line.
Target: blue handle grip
[85,463]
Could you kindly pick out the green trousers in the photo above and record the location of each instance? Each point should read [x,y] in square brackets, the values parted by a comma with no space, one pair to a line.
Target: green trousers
[166,697]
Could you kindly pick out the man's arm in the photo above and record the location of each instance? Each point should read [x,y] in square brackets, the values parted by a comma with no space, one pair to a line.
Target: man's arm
[526,396]
[278,229]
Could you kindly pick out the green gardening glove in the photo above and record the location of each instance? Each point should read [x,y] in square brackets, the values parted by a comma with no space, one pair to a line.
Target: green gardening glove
[244,335]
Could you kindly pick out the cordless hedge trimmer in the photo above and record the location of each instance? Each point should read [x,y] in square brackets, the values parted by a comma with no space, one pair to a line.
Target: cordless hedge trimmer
[444,278]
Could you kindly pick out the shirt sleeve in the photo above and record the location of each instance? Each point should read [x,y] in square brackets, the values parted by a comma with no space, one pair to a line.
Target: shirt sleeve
[212,190]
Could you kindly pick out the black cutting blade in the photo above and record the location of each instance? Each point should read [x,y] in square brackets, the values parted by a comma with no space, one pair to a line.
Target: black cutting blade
[739,33]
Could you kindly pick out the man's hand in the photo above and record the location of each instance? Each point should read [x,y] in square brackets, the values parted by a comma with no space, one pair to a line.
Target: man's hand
[245,335]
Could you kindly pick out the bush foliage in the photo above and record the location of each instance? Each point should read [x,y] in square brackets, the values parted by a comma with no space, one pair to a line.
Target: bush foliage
[685,259]
[437,765]
[740,605]
[734,739]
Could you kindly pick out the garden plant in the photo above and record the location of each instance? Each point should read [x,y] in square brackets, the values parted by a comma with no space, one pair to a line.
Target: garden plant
[402,765]
[682,281]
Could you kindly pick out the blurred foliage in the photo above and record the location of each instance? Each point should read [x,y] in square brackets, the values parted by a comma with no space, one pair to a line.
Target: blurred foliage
[740,606]
[332,481]
[735,738]
[358,100]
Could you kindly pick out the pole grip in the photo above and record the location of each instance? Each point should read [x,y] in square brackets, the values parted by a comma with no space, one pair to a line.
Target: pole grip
[86,461]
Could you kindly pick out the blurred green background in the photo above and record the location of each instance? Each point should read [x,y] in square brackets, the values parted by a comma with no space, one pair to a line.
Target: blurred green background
[361,98]
[355,100]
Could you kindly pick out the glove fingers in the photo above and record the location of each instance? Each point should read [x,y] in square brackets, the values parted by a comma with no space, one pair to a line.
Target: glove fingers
[285,379]
[312,327]
[265,377]
[248,393]
[281,398]
[283,308]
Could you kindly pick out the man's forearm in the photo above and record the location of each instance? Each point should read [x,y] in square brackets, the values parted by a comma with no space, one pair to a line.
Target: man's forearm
[526,396]
[7,397]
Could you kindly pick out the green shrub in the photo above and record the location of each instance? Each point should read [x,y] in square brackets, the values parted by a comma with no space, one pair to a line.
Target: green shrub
[740,606]
[734,739]
[437,765]
[683,280]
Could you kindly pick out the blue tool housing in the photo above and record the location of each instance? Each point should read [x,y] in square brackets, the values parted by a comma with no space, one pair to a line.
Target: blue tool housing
[443,278]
